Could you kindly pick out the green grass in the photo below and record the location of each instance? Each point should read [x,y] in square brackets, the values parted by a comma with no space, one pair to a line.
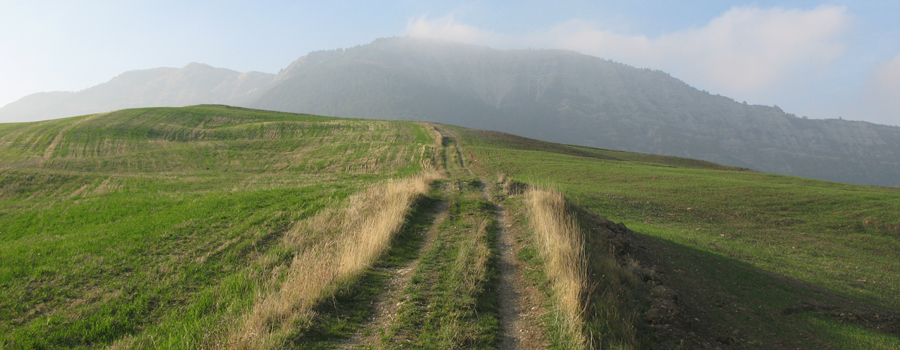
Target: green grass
[159,226]
[837,240]
[162,228]
[216,139]
[451,301]
[850,336]
[339,318]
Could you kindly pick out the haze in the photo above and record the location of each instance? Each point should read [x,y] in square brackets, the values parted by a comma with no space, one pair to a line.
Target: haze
[816,59]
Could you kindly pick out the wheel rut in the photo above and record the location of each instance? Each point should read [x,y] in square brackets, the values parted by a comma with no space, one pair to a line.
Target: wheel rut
[386,306]
[520,307]
[520,302]
[453,140]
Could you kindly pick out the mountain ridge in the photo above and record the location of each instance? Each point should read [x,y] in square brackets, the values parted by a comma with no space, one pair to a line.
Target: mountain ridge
[192,84]
[552,95]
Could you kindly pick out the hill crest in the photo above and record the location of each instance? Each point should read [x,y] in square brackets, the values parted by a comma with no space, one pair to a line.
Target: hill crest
[551,95]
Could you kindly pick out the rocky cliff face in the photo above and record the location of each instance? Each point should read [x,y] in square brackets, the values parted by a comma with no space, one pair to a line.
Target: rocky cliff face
[551,95]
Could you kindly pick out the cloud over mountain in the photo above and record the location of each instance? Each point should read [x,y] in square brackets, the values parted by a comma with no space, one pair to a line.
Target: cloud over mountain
[743,51]
[883,95]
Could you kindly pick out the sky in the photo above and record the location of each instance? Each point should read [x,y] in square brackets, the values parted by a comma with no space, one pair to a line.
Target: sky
[838,59]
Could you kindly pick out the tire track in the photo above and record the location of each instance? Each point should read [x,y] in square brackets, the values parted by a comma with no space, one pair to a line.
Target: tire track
[453,138]
[519,304]
[386,306]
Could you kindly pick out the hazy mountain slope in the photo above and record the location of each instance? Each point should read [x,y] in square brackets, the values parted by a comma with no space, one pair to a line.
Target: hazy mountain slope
[572,98]
[550,95]
[194,84]
[366,90]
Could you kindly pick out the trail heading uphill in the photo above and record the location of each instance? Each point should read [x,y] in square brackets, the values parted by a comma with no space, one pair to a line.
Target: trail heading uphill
[281,231]
[483,275]
[453,280]
[519,302]
[464,287]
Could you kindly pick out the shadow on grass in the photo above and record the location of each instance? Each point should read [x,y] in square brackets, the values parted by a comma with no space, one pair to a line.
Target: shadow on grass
[700,299]
[339,317]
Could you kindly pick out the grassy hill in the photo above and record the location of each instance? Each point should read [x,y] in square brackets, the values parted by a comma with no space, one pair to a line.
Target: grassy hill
[168,219]
[551,95]
[752,259]
[222,227]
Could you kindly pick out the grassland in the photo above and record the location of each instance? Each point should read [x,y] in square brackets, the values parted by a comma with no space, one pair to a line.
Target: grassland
[161,227]
[756,260]
[450,301]
[220,227]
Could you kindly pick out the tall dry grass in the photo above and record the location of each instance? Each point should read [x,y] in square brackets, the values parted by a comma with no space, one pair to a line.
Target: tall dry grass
[438,137]
[561,246]
[350,238]
[432,161]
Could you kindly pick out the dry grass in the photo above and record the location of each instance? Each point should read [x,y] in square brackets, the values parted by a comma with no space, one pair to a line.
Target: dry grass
[472,261]
[432,154]
[561,246]
[352,238]
[438,137]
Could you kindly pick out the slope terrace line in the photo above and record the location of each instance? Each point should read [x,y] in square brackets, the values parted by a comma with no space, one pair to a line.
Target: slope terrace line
[59,136]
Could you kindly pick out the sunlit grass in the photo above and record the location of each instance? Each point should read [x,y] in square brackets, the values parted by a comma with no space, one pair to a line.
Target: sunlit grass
[561,245]
[355,235]
[160,227]
[451,301]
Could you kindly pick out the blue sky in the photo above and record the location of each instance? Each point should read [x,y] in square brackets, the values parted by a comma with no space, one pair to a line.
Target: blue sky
[813,58]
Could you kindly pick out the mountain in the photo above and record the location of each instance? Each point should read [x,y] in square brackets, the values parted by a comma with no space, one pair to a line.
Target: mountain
[572,98]
[550,95]
[174,87]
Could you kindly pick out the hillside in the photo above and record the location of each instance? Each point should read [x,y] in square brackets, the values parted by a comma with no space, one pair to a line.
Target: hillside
[729,258]
[550,95]
[577,99]
[195,83]
[223,227]
[147,222]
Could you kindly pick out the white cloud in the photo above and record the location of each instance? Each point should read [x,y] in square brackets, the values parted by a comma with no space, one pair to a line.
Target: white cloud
[883,97]
[743,51]
[445,28]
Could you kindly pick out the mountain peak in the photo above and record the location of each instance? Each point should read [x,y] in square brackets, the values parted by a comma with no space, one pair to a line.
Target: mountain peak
[197,65]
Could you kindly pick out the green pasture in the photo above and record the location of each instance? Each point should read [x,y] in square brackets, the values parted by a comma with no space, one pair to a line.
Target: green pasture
[763,243]
[160,226]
